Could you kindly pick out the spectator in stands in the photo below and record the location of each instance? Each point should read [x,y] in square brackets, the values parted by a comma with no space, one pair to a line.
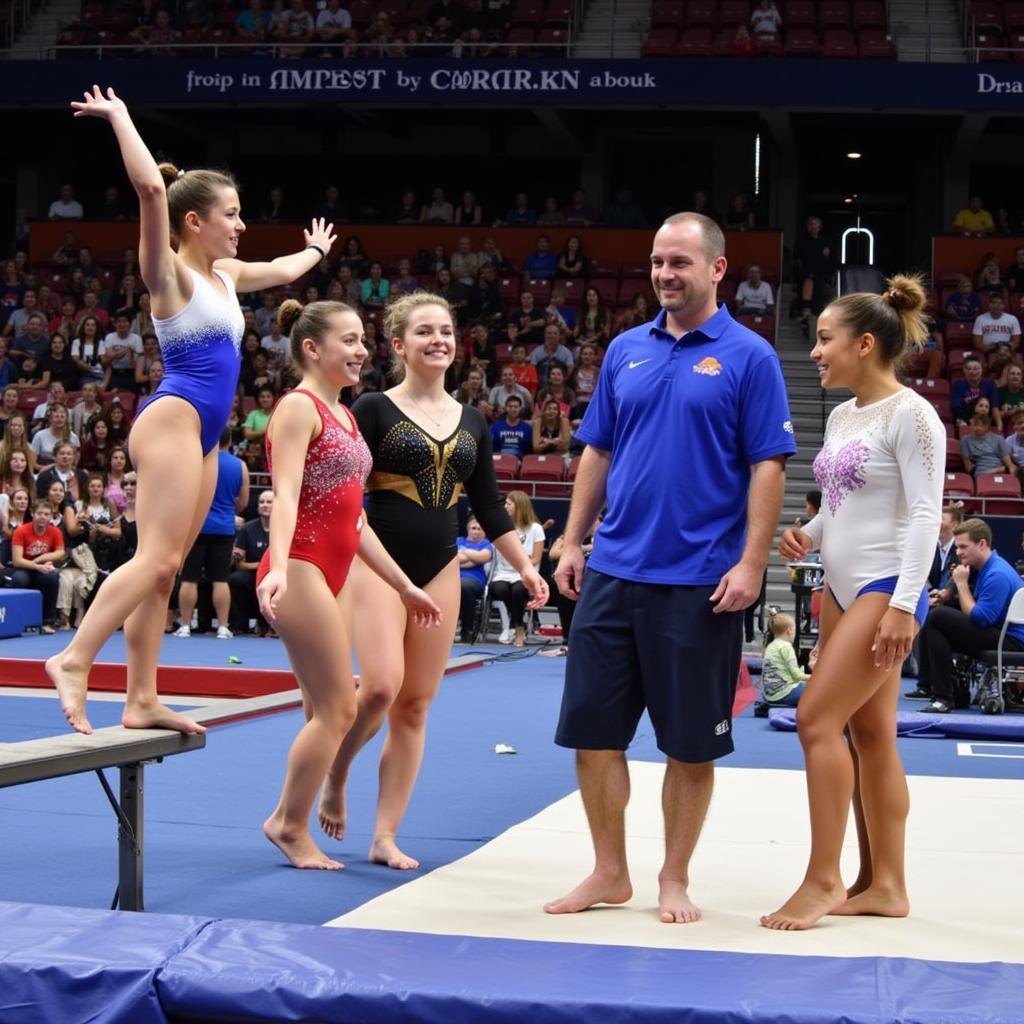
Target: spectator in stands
[275,210]
[36,548]
[49,301]
[1014,273]
[506,584]
[86,263]
[558,389]
[754,295]
[438,210]
[252,540]
[55,431]
[57,366]
[594,324]
[56,394]
[254,22]
[551,216]
[964,305]
[465,264]
[142,324]
[566,606]
[334,24]
[481,352]
[408,209]
[765,19]
[126,297]
[551,353]
[473,391]
[475,552]
[973,220]
[932,356]
[63,469]
[117,421]
[96,446]
[8,405]
[583,380]
[98,517]
[468,212]
[572,262]
[1011,395]
[970,388]
[33,342]
[350,287]
[456,373]
[983,451]
[86,409]
[113,479]
[551,430]
[633,316]
[112,207]
[453,293]
[63,256]
[353,256]
[782,679]
[65,207]
[974,626]
[212,551]
[16,439]
[520,214]
[161,39]
[296,27]
[542,263]
[267,313]
[528,319]
[484,303]
[27,375]
[375,289]
[812,258]
[275,344]
[996,328]
[1015,442]
[332,209]
[559,312]
[255,426]
[624,211]
[511,435]
[119,350]
[508,388]
[65,323]
[525,372]
[91,307]
[17,322]
[990,274]
[579,213]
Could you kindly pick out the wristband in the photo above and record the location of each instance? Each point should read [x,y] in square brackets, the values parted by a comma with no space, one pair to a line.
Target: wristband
[313,245]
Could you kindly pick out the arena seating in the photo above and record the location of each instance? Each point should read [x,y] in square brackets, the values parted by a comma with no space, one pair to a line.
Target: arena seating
[998,29]
[827,28]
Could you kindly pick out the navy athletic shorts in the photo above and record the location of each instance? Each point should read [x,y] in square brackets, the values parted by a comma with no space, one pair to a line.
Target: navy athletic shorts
[661,647]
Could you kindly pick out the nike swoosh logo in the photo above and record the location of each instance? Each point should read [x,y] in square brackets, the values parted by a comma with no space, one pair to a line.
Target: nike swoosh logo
[639,362]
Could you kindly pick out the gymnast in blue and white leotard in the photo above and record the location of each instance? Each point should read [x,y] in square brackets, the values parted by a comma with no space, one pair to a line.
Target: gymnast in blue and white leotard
[200,345]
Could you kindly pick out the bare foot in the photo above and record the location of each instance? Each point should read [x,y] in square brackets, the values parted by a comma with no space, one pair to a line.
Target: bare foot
[300,850]
[72,686]
[156,716]
[592,890]
[331,813]
[674,904]
[805,907]
[862,882]
[385,851]
[877,902]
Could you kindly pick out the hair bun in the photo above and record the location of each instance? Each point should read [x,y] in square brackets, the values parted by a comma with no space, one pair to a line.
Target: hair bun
[906,293]
[287,314]
[169,173]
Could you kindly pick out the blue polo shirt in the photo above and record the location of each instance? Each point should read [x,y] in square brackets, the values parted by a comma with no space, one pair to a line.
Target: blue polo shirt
[996,583]
[684,421]
[220,520]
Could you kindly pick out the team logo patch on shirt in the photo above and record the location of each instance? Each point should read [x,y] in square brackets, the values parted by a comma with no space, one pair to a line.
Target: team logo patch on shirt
[708,367]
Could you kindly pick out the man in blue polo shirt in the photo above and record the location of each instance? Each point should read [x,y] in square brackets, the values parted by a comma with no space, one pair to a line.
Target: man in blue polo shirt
[687,436]
[974,626]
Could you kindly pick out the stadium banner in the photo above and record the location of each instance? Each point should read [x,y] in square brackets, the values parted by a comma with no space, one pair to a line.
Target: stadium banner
[754,84]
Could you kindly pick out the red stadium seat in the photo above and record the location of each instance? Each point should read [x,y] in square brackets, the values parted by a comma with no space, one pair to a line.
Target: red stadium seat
[503,353]
[552,37]
[505,466]
[509,288]
[248,404]
[940,403]
[1002,494]
[573,288]
[764,325]
[987,14]
[868,14]
[768,46]
[557,13]
[636,270]
[875,44]
[802,42]
[607,288]
[954,462]
[958,335]
[574,468]
[661,42]
[520,35]
[724,44]
[701,14]
[834,14]
[959,485]
[631,285]
[695,42]
[606,268]
[838,42]
[546,472]
[1013,15]
[928,388]
[727,289]
[362,12]
[541,288]
[732,13]
[528,12]
[799,12]
[668,14]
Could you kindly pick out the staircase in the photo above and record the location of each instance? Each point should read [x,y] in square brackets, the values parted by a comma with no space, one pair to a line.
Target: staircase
[927,30]
[613,28]
[40,35]
[809,408]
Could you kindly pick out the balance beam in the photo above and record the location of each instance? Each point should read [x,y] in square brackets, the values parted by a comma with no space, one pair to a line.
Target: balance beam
[128,750]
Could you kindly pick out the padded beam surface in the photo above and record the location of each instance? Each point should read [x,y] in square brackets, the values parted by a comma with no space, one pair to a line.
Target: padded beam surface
[915,723]
[72,966]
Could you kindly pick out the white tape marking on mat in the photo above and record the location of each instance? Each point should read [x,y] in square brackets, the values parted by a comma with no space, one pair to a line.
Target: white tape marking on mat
[970,750]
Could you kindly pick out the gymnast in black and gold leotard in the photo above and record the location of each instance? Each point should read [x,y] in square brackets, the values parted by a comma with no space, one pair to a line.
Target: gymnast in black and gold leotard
[426,448]
[413,491]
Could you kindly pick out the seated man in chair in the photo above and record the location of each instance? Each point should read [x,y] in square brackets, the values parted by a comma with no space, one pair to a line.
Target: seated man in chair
[974,627]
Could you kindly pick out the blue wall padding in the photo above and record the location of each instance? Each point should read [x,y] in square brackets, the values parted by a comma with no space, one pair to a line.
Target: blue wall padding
[72,966]
[917,723]
[66,965]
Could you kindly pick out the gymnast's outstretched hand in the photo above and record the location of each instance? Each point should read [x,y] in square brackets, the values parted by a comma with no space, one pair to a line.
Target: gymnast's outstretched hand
[320,234]
[421,606]
[536,587]
[98,105]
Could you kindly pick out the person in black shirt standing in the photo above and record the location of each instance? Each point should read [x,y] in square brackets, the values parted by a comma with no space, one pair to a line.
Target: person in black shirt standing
[812,258]
[250,543]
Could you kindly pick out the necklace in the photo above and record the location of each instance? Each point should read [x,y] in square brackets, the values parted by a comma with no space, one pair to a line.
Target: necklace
[437,423]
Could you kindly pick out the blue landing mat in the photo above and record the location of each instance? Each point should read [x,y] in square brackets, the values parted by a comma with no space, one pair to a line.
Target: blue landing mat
[921,724]
[63,965]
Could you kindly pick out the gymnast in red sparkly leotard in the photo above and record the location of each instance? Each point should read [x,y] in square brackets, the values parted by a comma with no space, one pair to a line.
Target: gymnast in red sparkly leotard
[330,513]
[319,464]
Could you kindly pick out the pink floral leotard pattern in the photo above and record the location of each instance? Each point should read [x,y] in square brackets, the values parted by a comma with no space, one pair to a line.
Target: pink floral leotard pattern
[840,472]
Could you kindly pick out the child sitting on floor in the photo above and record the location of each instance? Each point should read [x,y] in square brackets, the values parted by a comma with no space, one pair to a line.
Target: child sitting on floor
[782,679]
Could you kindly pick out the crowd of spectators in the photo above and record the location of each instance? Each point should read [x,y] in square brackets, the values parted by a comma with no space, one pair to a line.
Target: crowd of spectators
[323,28]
